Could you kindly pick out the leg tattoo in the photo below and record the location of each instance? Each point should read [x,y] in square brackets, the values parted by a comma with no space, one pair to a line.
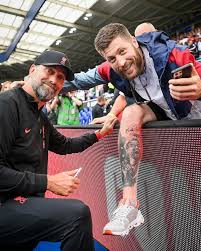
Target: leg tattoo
[130,154]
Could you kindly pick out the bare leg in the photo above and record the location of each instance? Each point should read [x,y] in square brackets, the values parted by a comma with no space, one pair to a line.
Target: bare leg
[130,150]
[127,215]
[131,147]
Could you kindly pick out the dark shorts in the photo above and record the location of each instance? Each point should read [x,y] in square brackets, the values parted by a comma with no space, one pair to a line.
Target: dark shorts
[160,114]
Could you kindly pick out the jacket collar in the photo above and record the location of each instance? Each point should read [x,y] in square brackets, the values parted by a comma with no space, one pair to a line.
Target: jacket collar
[159,46]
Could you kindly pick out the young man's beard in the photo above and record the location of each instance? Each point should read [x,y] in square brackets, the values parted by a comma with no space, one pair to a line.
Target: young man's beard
[138,61]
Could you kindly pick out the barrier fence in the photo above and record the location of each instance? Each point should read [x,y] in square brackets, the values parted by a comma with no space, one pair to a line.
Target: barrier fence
[169,186]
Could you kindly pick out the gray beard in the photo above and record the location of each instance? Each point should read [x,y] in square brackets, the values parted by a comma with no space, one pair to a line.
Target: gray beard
[42,93]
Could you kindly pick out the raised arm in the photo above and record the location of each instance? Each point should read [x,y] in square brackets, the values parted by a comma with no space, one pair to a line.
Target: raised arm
[60,144]
[118,107]
[86,80]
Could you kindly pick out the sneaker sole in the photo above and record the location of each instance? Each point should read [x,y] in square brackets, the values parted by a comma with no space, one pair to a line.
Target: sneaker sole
[137,222]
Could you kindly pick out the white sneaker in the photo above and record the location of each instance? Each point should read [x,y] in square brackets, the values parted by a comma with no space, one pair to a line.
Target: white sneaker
[124,218]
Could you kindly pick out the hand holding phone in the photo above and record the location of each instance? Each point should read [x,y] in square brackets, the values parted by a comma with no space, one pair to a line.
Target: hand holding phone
[186,83]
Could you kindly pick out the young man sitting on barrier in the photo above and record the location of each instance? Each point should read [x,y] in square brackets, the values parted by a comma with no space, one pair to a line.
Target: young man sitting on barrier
[26,135]
[140,68]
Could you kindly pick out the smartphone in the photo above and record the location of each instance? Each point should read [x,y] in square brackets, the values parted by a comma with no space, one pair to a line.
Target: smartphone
[78,171]
[184,71]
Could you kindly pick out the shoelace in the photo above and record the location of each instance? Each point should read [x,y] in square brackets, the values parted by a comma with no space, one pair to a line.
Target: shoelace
[120,213]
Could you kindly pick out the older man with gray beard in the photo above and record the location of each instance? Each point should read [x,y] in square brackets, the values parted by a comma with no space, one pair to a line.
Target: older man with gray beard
[26,135]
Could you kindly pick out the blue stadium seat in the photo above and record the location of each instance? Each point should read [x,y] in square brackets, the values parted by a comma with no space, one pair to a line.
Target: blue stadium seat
[85,116]
[55,246]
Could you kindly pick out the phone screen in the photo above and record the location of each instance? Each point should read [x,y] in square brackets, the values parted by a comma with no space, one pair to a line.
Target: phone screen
[184,71]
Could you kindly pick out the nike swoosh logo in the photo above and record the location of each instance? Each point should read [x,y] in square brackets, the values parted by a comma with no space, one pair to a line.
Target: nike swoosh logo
[27,130]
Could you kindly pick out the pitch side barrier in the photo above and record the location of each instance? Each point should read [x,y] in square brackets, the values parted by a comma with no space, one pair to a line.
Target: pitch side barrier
[169,185]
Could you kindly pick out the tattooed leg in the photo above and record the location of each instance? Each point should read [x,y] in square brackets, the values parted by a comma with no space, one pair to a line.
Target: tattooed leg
[130,144]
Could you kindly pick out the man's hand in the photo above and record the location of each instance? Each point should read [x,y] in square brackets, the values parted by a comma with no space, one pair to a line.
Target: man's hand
[103,119]
[186,88]
[63,183]
[17,84]
[100,120]
[110,121]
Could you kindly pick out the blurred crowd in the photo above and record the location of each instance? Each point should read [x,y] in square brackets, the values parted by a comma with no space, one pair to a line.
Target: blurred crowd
[7,85]
[192,39]
[76,107]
